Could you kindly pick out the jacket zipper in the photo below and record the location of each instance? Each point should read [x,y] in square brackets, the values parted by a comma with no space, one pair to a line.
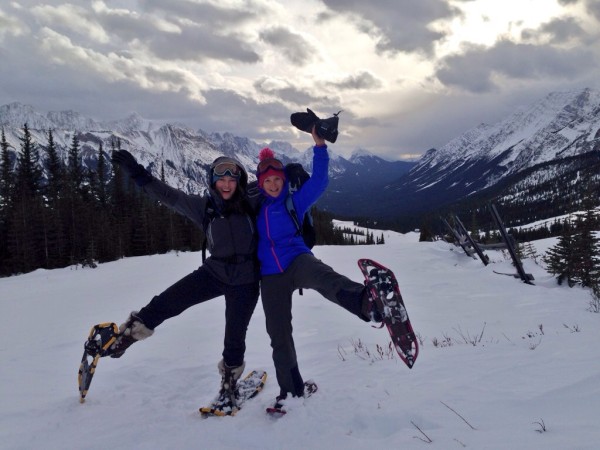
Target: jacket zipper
[271,240]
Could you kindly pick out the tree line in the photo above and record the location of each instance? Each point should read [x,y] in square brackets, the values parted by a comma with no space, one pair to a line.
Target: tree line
[56,213]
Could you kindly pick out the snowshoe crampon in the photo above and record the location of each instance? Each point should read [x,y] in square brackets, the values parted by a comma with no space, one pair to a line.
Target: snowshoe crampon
[101,337]
[384,290]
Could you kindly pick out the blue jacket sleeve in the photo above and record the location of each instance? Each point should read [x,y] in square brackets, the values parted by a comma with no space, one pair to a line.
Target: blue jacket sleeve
[314,187]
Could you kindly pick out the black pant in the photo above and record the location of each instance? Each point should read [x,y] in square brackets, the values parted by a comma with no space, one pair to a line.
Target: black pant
[200,286]
[308,272]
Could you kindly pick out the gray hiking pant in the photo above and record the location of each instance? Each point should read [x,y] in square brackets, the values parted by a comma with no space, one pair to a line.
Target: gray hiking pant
[306,272]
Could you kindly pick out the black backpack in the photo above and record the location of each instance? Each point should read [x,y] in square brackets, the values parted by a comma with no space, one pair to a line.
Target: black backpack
[297,176]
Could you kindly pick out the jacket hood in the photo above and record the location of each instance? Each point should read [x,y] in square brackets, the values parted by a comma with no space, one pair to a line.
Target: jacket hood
[243,182]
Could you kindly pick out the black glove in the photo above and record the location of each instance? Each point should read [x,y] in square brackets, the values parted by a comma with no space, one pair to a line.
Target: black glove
[325,128]
[304,121]
[135,170]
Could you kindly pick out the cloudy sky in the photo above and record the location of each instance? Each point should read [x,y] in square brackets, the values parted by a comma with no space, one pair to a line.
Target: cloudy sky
[408,74]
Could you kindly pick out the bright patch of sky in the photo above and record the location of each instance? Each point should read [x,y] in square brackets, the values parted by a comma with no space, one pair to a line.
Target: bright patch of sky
[484,22]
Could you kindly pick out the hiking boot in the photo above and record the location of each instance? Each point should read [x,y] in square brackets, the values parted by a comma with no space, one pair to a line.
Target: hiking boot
[369,310]
[230,375]
[131,331]
[226,400]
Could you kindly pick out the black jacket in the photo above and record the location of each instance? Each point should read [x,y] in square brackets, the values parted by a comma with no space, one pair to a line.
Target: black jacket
[231,237]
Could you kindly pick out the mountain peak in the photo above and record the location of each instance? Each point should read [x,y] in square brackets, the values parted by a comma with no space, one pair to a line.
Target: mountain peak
[17,114]
[360,152]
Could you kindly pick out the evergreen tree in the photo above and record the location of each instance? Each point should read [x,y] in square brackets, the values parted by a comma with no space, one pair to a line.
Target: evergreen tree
[102,177]
[595,301]
[6,187]
[55,171]
[529,251]
[121,209]
[425,231]
[74,164]
[587,250]
[29,172]
[76,215]
[475,227]
[6,175]
[55,244]
[560,258]
[26,226]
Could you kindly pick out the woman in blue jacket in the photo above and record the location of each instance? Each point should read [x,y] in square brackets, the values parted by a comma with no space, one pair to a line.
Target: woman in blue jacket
[288,264]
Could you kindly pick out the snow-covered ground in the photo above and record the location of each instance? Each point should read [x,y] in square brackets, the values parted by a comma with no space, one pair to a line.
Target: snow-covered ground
[502,365]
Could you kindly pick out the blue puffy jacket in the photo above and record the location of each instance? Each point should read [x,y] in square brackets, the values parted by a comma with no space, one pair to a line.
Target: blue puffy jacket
[278,240]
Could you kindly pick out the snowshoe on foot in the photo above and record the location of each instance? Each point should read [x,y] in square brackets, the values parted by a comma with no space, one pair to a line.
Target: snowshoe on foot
[228,402]
[101,337]
[278,408]
[385,292]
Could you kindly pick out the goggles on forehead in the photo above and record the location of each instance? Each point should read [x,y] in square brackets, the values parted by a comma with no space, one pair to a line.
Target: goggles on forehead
[227,169]
[270,163]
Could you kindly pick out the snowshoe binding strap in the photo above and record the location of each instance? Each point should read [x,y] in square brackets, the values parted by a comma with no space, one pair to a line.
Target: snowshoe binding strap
[101,337]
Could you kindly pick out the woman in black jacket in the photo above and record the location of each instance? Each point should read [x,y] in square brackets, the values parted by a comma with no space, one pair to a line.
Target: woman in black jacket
[227,220]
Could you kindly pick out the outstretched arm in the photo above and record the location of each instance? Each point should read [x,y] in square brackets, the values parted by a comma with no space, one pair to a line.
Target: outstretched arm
[191,206]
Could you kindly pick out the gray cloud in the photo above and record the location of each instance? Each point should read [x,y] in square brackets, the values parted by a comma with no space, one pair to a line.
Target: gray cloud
[475,69]
[297,49]
[286,92]
[197,43]
[398,25]
[559,30]
[197,37]
[206,13]
[359,81]
[168,36]
[593,7]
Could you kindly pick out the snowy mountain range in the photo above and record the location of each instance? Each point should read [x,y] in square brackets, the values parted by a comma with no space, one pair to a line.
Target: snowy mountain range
[185,154]
[552,138]
[541,142]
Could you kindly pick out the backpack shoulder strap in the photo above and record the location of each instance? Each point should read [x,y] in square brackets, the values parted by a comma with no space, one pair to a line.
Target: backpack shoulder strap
[210,213]
[289,204]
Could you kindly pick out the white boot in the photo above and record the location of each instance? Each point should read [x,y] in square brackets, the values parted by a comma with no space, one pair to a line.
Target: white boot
[132,330]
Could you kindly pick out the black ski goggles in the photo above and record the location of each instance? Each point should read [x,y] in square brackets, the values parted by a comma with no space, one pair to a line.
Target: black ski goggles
[227,169]
[270,163]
